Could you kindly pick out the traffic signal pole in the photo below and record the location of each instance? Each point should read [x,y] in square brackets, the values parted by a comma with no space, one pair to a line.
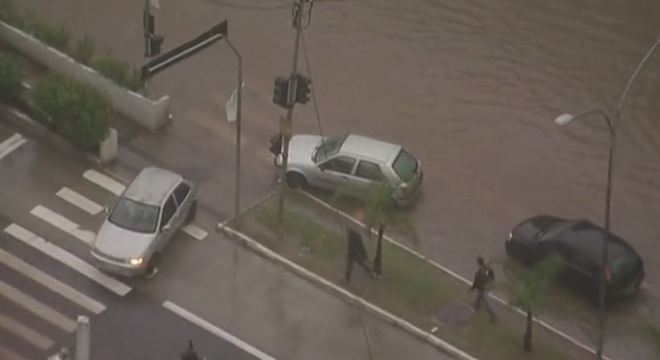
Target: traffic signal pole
[286,127]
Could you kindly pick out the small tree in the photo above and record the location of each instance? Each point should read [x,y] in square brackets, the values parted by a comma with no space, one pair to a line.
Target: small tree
[11,78]
[381,211]
[75,109]
[120,72]
[528,289]
[85,50]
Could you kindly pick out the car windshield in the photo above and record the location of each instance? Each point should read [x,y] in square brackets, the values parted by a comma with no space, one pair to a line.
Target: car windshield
[134,216]
[329,147]
[405,165]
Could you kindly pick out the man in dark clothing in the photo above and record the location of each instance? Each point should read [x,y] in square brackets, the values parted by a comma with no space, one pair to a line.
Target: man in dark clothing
[356,253]
[482,278]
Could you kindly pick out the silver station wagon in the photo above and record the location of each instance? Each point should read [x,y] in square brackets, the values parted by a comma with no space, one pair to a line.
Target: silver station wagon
[152,208]
[353,161]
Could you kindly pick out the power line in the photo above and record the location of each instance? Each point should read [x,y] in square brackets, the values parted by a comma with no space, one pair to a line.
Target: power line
[314,99]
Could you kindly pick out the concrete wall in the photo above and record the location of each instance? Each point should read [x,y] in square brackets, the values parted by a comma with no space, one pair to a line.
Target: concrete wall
[148,113]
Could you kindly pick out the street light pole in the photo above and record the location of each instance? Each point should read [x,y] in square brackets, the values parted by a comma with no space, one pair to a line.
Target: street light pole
[239,106]
[564,120]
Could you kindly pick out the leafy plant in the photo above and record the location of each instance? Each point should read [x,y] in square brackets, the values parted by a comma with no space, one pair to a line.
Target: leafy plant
[528,289]
[75,109]
[11,77]
[381,211]
[9,14]
[55,36]
[120,72]
[85,50]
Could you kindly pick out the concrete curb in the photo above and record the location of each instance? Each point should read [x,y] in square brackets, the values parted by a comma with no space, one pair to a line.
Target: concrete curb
[336,290]
[433,263]
[151,114]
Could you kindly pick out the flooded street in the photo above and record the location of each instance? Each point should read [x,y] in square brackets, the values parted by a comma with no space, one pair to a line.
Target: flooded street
[470,87]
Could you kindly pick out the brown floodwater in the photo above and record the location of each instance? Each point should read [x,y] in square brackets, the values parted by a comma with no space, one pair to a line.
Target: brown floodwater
[470,87]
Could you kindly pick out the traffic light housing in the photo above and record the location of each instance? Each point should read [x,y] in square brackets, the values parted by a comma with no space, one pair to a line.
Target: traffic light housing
[153,42]
[154,45]
[281,92]
[303,88]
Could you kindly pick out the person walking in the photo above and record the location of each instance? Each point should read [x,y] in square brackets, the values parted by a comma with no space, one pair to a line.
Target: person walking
[482,279]
[357,253]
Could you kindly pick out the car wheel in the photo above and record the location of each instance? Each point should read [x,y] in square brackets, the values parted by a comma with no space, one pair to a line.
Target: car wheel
[191,213]
[296,180]
[152,266]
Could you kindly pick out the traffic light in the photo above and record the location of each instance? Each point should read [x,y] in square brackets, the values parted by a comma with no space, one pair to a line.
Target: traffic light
[153,42]
[303,88]
[281,92]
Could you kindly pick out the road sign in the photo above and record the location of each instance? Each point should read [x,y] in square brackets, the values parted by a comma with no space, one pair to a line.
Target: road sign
[183,51]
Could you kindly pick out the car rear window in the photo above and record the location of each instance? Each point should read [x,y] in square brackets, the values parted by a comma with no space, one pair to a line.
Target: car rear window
[134,216]
[405,165]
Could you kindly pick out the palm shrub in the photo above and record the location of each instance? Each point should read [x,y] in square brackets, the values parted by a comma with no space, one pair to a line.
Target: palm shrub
[11,77]
[381,211]
[75,109]
[120,72]
[527,289]
[84,50]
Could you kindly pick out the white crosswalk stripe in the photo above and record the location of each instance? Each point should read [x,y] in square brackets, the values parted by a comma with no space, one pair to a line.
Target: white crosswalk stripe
[79,200]
[63,224]
[32,336]
[36,307]
[195,231]
[104,181]
[11,144]
[50,282]
[68,259]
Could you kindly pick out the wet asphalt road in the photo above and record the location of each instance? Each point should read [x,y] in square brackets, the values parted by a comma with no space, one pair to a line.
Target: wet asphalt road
[470,88]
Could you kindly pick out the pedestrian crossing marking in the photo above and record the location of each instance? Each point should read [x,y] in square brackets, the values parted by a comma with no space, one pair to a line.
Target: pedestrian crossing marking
[63,224]
[104,181]
[36,307]
[32,336]
[11,144]
[50,282]
[195,231]
[80,201]
[68,259]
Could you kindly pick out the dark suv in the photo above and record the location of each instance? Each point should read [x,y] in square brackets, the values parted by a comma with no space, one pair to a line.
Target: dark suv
[579,243]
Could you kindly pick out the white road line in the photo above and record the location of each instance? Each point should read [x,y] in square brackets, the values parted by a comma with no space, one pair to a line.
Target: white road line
[104,181]
[33,337]
[50,282]
[11,144]
[79,201]
[62,223]
[12,139]
[195,231]
[216,331]
[68,259]
[36,307]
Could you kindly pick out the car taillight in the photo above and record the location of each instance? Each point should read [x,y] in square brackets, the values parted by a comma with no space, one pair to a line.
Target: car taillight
[608,274]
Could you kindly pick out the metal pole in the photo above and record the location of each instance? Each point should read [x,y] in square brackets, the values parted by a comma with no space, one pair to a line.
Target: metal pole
[239,112]
[82,338]
[612,127]
[298,10]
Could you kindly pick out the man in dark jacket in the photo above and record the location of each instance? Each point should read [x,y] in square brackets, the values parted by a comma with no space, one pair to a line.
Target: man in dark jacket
[356,253]
[482,278]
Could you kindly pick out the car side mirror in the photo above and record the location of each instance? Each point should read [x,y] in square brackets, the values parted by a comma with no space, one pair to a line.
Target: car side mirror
[106,210]
[166,227]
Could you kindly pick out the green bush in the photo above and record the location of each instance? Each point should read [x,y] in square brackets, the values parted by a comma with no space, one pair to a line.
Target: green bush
[55,36]
[11,77]
[120,72]
[76,110]
[85,50]
[9,14]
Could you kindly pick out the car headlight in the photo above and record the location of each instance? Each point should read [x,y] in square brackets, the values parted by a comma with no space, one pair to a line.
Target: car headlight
[136,261]
[509,237]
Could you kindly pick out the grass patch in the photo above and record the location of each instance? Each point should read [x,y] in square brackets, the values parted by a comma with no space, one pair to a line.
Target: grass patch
[409,288]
